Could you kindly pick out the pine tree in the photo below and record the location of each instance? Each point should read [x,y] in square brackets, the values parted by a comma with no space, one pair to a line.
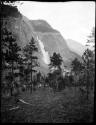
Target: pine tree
[91,39]
[30,59]
[89,68]
[10,51]
[5,35]
[55,62]
[77,67]
[89,62]
[12,54]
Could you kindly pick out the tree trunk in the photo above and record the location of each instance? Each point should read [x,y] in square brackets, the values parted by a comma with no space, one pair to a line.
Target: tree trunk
[11,89]
[88,80]
[12,80]
[31,75]
[56,85]
[31,70]
[12,68]
[87,86]
[26,77]
[75,82]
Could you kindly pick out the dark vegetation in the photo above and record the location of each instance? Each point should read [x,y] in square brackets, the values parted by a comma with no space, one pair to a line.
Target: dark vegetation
[58,97]
[11,11]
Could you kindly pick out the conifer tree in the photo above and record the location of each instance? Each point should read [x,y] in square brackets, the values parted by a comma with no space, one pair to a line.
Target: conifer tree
[55,62]
[10,52]
[31,60]
[89,63]
[89,68]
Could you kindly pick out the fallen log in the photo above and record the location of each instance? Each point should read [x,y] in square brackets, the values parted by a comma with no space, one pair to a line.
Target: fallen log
[21,100]
[14,108]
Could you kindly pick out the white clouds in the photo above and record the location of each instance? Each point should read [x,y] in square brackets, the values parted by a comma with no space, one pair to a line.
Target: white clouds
[73,19]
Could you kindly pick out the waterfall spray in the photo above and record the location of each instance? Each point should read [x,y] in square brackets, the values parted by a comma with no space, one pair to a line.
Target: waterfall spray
[46,57]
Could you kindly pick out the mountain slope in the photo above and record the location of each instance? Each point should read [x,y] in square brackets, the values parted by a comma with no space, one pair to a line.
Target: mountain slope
[51,39]
[42,26]
[75,46]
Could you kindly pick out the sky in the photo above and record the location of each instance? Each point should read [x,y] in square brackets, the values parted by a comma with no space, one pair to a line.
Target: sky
[74,20]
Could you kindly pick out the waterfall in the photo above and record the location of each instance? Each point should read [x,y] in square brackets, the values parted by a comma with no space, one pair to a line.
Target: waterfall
[46,57]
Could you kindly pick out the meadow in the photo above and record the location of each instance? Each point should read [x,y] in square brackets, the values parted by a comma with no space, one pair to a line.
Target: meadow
[45,106]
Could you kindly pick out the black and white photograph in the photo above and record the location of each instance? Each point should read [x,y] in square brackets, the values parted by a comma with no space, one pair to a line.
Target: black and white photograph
[47,61]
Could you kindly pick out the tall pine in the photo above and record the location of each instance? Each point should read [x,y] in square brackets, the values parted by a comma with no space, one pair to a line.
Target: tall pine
[10,52]
[30,59]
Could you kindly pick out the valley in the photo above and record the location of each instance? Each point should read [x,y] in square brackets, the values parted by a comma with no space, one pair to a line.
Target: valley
[45,78]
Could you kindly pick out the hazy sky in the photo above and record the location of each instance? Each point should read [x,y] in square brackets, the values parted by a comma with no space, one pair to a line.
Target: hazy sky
[73,20]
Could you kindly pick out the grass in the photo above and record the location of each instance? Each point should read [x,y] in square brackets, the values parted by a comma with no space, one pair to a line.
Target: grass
[49,107]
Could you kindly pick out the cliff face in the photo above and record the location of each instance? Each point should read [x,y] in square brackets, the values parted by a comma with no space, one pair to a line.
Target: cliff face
[51,39]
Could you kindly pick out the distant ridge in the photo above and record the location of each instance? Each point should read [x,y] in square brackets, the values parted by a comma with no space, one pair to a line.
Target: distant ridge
[76,46]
